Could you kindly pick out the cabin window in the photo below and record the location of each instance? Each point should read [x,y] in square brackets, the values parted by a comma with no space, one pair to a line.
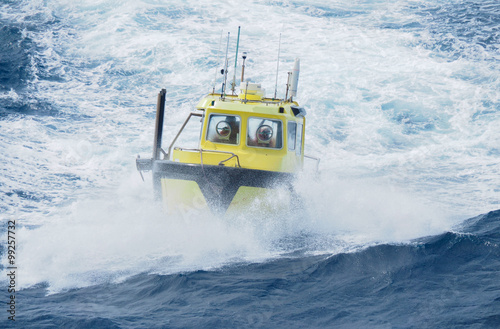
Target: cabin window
[224,129]
[264,133]
[298,149]
[292,133]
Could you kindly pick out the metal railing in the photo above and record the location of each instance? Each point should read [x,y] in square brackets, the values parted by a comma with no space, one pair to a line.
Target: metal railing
[314,158]
[192,114]
[221,163]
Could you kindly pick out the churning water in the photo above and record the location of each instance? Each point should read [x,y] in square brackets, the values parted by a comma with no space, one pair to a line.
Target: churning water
[403,101]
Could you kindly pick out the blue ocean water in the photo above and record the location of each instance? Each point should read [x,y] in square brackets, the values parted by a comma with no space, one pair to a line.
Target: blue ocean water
[445,281]
[400,229]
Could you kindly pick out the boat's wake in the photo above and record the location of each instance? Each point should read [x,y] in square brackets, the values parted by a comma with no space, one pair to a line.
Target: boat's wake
[114,236]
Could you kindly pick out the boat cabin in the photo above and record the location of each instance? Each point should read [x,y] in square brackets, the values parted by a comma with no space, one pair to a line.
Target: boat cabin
[247,131]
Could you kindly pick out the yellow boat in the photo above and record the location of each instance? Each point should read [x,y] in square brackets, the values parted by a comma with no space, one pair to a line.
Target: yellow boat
[249,147]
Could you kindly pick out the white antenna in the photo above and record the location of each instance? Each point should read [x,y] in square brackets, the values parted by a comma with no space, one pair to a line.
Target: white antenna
[233,86]
[217,62]
[224,70]
[277,68]
[294,80]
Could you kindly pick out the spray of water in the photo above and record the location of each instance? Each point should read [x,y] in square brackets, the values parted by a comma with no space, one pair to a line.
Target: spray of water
[397,119]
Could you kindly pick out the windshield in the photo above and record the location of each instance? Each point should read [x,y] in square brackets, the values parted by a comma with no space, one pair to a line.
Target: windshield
[264,132]
[224,129]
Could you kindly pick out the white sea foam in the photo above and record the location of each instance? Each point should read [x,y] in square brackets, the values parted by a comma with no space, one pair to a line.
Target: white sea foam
[408,134]
[125,232]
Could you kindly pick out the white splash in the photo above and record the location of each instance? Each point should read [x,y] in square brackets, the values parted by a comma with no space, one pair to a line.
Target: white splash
[407,134]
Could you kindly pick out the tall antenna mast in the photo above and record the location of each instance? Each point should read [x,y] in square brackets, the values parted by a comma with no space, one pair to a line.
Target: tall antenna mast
[277,68]
[217,62]
[233,86]
[224,70]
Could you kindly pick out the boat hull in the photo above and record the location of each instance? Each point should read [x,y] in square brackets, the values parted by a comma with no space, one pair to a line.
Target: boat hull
[217,187]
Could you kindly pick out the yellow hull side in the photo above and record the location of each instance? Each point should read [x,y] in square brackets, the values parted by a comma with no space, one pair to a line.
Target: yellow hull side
[183,197]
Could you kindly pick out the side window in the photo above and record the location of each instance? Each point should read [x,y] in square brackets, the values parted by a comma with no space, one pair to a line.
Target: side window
[292,132]
[265,133]
[298,149]
[224,129]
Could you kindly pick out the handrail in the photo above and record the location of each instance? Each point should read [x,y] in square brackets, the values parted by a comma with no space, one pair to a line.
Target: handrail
[214,151]
[232,156]
[314,158]
[182,128]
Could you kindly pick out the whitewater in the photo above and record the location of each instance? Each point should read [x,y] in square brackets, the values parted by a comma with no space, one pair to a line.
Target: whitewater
[401,225]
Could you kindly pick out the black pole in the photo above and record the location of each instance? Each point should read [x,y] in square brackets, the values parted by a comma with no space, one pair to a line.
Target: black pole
[160,114]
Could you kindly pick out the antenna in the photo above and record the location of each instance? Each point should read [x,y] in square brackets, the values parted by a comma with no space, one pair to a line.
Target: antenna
[224,70]
[233,86]
[277,68]
[217,62]
[288,84]
[294,78]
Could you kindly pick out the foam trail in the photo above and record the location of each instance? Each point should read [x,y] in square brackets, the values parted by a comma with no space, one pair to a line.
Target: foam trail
[112,236]
[122,233]
[400,109]
[368,210]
